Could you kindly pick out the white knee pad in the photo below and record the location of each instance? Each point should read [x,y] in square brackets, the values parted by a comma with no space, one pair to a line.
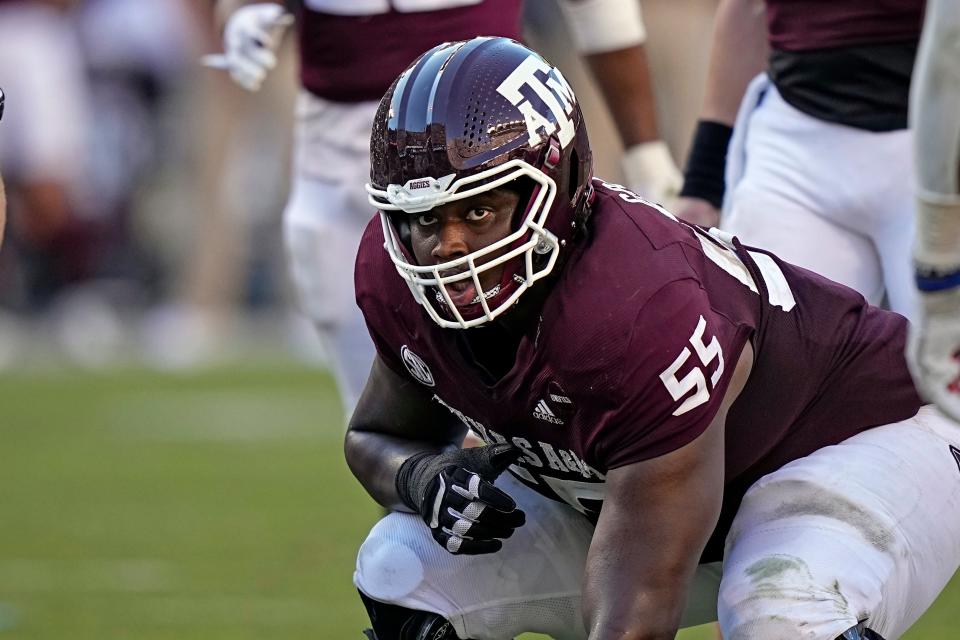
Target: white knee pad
[531,585]
[388,568]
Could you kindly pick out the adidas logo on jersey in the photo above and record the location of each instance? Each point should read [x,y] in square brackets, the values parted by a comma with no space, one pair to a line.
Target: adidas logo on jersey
[543,412]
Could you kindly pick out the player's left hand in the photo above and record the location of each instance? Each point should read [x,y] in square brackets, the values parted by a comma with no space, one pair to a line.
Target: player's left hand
[649,171]
[933,352]
[455,496]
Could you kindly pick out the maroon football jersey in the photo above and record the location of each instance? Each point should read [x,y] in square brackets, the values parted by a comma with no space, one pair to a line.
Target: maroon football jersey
[635,349]
[802,25]
[352,50]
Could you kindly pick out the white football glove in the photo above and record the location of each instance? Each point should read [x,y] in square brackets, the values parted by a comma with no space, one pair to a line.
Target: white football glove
[934,349]
[649,171]
[250,38]
[933,352]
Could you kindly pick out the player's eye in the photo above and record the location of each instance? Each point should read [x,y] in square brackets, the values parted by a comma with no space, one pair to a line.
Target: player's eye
[475,215]
[425,219]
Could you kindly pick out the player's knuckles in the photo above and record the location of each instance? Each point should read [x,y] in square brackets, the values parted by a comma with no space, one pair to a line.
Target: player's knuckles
[464,492]
[472,511]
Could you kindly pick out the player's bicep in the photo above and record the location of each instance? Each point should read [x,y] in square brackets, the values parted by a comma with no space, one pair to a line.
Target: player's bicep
[394,405]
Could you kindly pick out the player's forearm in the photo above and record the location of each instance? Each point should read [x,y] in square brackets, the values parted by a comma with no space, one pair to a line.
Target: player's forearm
[609,34]
[738,53]
[934,105]
[624,79]
[623,623]
[375,458]
[637,574]
[620,604]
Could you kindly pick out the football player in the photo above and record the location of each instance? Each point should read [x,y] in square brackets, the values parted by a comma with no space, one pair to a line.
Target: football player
[3,193]
[816,164]
[656,398]
[350,52]
[935,114]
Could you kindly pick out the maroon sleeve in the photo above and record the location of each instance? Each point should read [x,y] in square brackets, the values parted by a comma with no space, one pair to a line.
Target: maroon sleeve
[375,281]
[390,357]
[675,372]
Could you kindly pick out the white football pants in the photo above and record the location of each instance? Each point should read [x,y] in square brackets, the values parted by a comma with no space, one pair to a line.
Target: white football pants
[325,216]
[864,530]
[827,197]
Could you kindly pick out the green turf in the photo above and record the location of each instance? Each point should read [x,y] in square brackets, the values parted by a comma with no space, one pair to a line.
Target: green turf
[216,505]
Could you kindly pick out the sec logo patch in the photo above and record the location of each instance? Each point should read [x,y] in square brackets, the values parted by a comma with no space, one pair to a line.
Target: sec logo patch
[416,366]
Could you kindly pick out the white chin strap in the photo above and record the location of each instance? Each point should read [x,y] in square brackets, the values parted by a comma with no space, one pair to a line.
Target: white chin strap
[530,238]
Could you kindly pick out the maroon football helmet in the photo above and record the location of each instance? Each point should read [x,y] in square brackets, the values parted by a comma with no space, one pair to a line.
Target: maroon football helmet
[464,118]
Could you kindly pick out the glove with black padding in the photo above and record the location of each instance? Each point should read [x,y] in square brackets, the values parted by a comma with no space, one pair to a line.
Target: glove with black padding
[454,494]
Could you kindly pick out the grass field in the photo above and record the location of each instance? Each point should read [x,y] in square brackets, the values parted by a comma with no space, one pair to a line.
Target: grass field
[206,506]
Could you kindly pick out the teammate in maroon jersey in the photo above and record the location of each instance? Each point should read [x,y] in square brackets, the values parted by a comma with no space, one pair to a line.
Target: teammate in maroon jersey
[350,52]
[663,397]
[803,146]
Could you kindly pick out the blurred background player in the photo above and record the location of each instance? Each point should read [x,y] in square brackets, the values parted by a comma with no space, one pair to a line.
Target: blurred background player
[82,173]
[349,53]
[935,117]
[42,148]
[818,166]
[3,193]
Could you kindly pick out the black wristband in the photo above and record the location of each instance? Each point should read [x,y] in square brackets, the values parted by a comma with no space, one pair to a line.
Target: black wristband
[408,479]
[704,175]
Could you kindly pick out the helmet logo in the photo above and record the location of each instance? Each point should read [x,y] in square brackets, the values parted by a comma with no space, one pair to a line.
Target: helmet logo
[420,194]
[554,92]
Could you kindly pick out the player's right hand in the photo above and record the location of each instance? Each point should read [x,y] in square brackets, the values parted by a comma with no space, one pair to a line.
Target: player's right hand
[454,494]
[250,38]
[934,348]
